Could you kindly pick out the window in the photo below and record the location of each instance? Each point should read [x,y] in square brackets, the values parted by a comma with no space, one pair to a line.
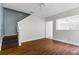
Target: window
[68,23]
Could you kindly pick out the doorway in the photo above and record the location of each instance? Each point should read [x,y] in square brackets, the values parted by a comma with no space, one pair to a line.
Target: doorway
[49,29]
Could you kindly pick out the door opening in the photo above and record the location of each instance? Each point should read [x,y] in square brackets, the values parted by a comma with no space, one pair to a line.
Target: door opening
[49,29]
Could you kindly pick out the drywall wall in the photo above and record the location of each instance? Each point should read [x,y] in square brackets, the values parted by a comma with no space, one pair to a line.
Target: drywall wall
[1,19]
[11,17]
[31,28]
[70,36]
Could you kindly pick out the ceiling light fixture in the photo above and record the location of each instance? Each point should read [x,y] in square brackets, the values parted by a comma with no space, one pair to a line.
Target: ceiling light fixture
[42,4]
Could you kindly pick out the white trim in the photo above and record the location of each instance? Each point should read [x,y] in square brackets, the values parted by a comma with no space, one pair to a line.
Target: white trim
[64,41]
[1,39]
[10,35]
[20,42]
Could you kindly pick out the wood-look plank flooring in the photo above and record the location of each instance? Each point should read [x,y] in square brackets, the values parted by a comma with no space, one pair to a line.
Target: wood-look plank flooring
[43,47]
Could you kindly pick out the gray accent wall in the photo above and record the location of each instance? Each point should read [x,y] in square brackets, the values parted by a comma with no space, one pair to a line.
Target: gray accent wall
[1,18]
[10,19]
[71,36]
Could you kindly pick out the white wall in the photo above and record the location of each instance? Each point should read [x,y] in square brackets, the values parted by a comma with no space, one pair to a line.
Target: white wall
[68,36]
[31,28]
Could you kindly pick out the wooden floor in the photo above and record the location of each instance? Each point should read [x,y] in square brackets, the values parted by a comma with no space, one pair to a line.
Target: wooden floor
[43,47]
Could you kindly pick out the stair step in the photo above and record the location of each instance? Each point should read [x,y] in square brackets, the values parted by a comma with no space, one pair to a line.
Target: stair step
[9,46]
[9,42]
[10,37]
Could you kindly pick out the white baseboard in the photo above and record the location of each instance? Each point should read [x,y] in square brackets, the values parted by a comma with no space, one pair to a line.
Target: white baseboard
[20,42]
[65,41]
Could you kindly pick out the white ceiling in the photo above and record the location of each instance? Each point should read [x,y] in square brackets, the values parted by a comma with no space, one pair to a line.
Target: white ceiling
[47,10]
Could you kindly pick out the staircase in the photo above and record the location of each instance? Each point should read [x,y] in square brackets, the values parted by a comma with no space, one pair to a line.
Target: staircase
[9,42]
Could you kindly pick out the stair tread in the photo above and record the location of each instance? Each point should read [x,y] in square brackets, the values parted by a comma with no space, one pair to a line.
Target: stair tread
[9,42]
